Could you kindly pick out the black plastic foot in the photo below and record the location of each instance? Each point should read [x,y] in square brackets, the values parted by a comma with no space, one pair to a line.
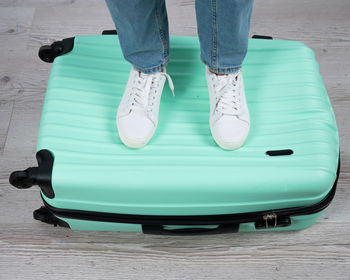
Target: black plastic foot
[44,215]
[49,53]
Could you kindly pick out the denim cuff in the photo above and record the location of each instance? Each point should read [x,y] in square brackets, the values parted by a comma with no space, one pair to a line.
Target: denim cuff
[153,69]
[225,70]
[222,70]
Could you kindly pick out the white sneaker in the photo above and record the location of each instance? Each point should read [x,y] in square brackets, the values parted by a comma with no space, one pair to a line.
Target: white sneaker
[137,115]
[229,116]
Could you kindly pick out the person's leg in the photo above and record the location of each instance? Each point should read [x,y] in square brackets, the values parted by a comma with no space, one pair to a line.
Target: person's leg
[142,27]
[223,31]
[143,32]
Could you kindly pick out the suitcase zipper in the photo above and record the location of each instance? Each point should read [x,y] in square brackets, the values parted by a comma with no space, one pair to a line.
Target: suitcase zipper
[262,219]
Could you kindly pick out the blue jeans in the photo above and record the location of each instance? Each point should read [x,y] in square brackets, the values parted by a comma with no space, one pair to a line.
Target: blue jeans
[222,25]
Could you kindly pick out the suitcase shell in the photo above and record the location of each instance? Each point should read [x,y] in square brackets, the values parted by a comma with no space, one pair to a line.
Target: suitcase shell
[282,178]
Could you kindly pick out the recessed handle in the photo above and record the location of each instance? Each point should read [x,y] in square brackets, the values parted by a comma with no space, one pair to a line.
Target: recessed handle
[161,230]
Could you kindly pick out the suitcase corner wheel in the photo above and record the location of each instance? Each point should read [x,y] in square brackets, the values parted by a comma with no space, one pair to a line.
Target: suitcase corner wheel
[40,175]
[48,53]
[44,215]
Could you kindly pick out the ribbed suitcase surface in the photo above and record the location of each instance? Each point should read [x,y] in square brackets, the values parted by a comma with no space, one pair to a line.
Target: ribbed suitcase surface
[182,171]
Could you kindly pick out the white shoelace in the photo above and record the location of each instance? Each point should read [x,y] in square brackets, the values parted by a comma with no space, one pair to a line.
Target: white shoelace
[147,83]
[227,94]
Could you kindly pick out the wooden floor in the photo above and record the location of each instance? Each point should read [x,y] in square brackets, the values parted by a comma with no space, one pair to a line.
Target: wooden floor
[33,250]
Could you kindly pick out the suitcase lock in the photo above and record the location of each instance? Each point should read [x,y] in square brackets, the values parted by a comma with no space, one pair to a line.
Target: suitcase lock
[270,217]
[271,220]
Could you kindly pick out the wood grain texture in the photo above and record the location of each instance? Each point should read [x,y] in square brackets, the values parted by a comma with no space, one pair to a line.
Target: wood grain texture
[21,130]
[6,108]
[299,255]
[33,250]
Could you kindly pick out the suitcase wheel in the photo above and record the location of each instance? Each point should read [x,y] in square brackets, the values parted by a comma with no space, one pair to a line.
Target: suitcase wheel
[22,179]
[41,175]
[47,54]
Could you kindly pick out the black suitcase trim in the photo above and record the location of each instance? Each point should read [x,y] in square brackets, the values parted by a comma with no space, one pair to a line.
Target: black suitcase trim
[257,36]
[263,219]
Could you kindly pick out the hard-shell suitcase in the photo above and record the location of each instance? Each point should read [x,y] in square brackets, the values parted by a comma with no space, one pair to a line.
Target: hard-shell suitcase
[282,178]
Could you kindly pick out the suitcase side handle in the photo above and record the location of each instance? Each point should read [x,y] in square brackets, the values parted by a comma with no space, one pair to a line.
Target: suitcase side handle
[161,230]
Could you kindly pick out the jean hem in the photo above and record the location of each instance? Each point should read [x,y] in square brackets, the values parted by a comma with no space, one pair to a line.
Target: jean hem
[153,69]
[222,70]
[225,70]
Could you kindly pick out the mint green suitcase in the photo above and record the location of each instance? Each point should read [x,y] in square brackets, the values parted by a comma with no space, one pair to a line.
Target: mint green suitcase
[282,178]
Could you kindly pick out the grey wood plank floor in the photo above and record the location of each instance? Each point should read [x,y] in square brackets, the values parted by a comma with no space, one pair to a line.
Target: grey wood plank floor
[32,250]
